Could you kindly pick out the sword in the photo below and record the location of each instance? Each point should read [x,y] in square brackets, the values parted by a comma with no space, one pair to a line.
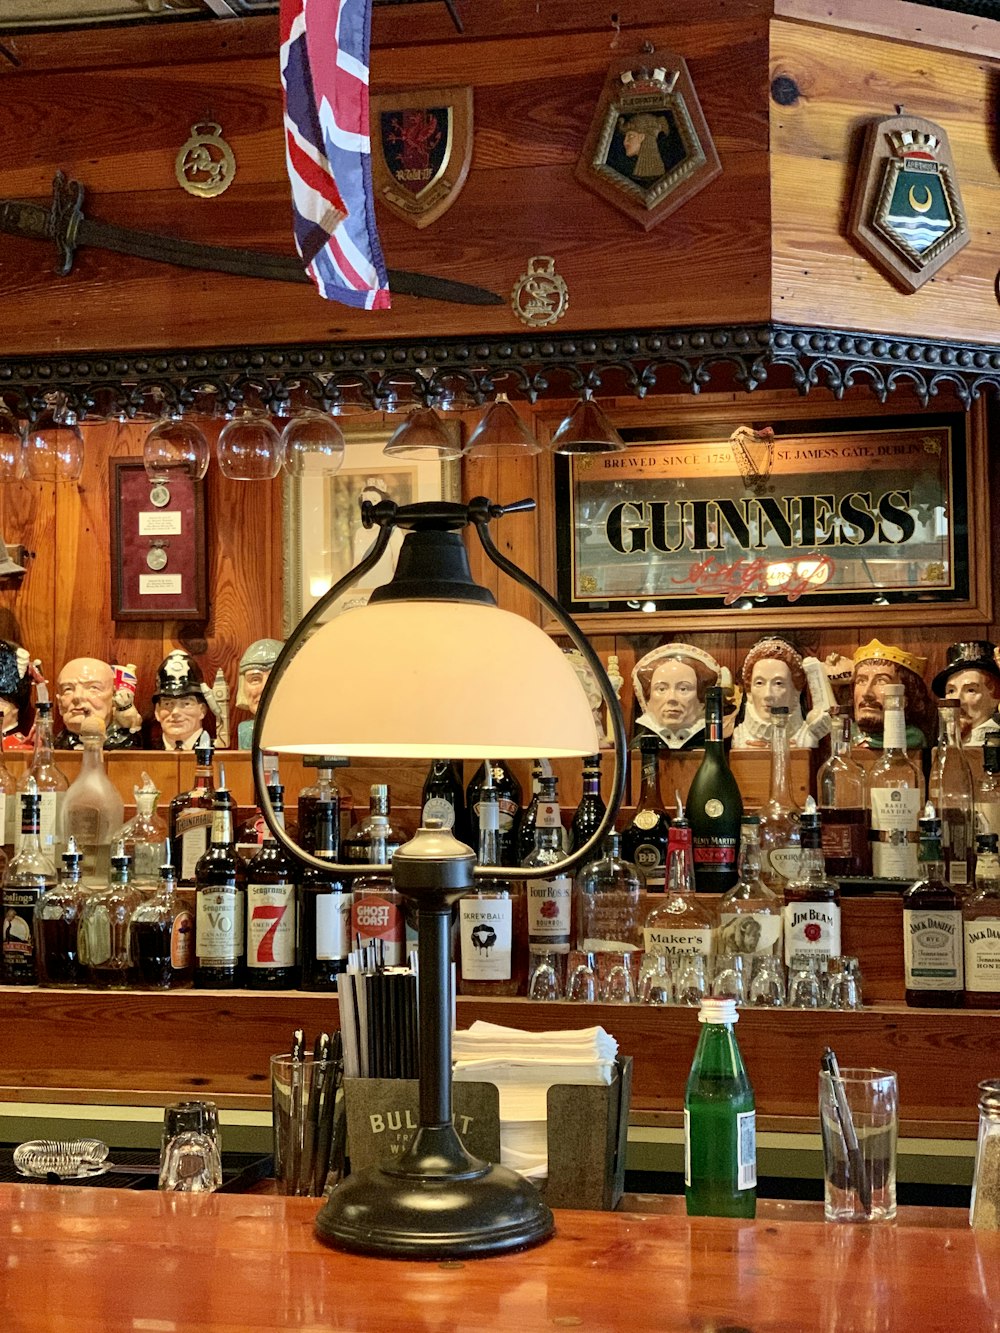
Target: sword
[64,224]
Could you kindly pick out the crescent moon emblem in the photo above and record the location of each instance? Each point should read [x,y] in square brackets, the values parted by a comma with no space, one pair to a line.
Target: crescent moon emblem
[927,200]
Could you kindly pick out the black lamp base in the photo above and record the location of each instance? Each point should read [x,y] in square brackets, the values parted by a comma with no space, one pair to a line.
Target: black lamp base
[488,1210]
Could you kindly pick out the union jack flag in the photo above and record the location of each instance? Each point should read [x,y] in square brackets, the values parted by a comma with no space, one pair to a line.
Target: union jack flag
[324,79]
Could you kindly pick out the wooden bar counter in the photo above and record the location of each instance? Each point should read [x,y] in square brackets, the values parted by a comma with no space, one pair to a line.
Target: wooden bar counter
[79,1260]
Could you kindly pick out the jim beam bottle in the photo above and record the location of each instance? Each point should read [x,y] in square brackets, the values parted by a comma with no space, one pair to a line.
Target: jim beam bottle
[221,896]
[644,840]
[324,909]
[932,926]
[29,875]
[271,886]
[812,902]
[894,793]
[714,807]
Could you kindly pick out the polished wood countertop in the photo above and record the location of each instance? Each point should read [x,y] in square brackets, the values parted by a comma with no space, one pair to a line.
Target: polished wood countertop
[78,1260]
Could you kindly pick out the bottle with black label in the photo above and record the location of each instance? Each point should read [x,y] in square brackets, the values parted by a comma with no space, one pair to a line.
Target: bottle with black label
[894,794]
[750,914]
[162,937]
[842,792]
[50,782]
[271,881]
[104,938]
[812,902]
[57,924]
[526,827]
[443,798]
[644,840]
[981,922]
[714,807]
[780,842]
[932,927]
[220,915]
[509,794]
[29,875]
[550,901]
[492,922]
[324,910]
[190,820]
[591,809]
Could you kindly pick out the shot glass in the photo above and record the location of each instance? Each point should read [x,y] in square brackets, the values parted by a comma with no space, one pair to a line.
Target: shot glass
[859,1123]
[729,977]
[805,988]
[545,975]
[190,1148]
[767,982]
[582,982]
[690,978]
[617,984]
[655,982]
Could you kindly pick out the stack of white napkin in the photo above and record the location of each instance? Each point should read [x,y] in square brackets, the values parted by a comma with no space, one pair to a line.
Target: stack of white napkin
[524,1065]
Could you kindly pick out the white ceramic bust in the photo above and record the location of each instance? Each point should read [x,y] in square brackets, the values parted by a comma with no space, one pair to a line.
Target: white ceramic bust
[774,675]
[670,684]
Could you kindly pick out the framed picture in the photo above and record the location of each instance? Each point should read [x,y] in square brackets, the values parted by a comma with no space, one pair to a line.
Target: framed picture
[323,534]
[157,546]
[701,522]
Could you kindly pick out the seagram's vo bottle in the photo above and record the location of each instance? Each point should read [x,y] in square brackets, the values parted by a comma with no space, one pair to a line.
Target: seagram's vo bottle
[221,896]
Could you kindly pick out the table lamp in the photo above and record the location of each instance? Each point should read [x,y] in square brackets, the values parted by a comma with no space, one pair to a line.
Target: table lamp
[432,666]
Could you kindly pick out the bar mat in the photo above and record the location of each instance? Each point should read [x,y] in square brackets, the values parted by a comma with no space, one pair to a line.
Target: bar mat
[240,1171]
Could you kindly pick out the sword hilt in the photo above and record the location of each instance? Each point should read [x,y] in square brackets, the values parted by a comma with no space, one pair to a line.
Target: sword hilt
[59,223]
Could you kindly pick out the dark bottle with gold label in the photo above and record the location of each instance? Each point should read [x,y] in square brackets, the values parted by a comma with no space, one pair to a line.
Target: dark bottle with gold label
[644,840]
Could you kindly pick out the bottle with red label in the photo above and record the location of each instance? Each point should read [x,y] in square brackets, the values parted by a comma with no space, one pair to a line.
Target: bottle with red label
[714,807]
[161,932]
[377,909]
[679,922]
[271,886]
[550,900]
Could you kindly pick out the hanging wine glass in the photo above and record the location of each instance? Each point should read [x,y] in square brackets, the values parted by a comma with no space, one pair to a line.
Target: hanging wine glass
[313,444]
[10,444]
[53,444]
[175,447]
[249,447]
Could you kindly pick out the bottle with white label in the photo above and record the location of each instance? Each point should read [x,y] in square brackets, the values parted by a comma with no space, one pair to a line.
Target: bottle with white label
[190,818]
[981,924]
[720,1121]
[750,914]
[680,922]
[988,788]
[550,900]
[271,940]
[812,902]
[50,781]
[492,922]
[780,843]
[932,927]
[894,793]
[324,908]
[950,787]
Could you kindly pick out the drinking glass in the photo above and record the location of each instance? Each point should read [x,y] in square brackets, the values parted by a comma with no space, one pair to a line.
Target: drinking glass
[859,1181]
[729,978]
[582,983]
[690,978]
[805,990]
[842,990]
[767,981]
[190,1159]
[543,977]
[655,985]
[249,447]
[617,984]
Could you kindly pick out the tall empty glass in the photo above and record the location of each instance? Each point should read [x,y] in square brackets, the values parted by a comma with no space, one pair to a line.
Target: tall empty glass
[859,1181]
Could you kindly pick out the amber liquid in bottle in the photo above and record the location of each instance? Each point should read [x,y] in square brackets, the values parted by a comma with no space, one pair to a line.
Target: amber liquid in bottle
[220,929]
[191,819]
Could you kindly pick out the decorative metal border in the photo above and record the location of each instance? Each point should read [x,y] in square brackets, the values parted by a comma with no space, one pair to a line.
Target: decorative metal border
[533,366]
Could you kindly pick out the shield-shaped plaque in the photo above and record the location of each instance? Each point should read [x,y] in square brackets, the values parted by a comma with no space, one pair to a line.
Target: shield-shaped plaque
[648,148]
[907,212]
[421,150]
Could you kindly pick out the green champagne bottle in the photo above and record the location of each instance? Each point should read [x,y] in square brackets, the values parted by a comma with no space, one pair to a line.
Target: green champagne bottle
[720,1131]
[714,808]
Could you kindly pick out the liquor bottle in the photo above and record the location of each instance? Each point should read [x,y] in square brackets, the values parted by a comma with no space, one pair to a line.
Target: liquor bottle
[375,830]
[951,791]
[750,914]
[10,811]
[191,819]
[720,1121]
[162,937]
[29,875]
[609,903]
[251,832]
[526,827]
[220,913]
[894,794]
[550,900]
[988,788]
[271,878]
[780,840]
[145,837]
[443,798]
[932,926]
[104,942]
[323,789]
[50,783]
[591,809]
[680,922]
[377,909]
[93,811]
[842,792]
[714,807]
[812,902]
[57,923]
[981,925]
[493,921]
[509,791]
[644,840]
[324,908]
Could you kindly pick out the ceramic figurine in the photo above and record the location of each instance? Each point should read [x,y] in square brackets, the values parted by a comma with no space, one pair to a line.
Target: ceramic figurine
[589,685]
[255,667]
[973,678]
[85,688]
[670,684]
[15,690]
[774,675]
[875,666]
[181,701]
[617,681]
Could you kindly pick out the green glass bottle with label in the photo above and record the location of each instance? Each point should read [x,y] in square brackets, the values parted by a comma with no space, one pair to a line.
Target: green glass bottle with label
[720,1121]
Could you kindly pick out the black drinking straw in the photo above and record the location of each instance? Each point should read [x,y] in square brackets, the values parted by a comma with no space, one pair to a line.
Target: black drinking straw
[854,1155]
